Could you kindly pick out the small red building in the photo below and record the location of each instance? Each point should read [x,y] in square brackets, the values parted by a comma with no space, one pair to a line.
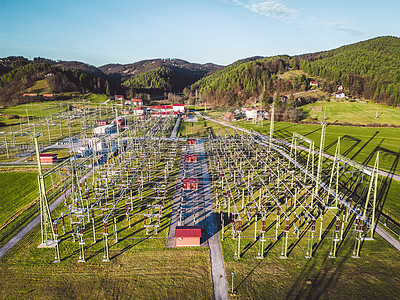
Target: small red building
[187,236]
[191,141]
[137,102]
[190,184]
[48,158]
[101,122]
[191,158]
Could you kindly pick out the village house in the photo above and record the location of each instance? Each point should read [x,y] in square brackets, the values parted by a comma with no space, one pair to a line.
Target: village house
[178,108]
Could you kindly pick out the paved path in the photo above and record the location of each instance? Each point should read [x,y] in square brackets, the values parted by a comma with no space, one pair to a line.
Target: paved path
[379,230]
[27,228]
[198,209]
[176,127]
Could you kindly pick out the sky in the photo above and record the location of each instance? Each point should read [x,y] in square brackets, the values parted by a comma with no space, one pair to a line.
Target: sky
[99,32]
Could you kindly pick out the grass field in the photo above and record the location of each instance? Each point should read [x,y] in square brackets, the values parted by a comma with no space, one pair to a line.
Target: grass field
[374,276]
[35,109]
[17,189]
[96,98]
[357,143]
[353,113]
[140,269]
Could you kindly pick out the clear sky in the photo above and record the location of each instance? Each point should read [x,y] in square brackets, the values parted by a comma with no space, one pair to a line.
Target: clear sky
[219,31]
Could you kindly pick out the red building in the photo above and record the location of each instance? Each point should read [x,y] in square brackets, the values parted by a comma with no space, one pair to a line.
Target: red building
[101,122]
[191,158]
[191,141]
[48,158]
[187,236]
[190,184]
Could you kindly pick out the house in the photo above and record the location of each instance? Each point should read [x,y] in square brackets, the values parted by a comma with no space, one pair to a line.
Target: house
[137,102]
[187,236]
[139,111]
[178,107]
[314,83]
[340,88]
[340,95]
[126,111]
[48,158]
[118,97]
[48,95]
[229,116]
[162,108]
[30,95]
[251,113]
[191,141]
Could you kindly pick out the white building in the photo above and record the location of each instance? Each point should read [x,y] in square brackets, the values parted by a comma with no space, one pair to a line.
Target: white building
[139,111]
[251,113]
[178,107]
[106,129]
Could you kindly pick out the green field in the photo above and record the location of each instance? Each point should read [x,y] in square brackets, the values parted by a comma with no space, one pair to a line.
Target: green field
[357,143]
[35,109]
[376,275]
[353,113]
[139,269]
[96,98]
[17,189]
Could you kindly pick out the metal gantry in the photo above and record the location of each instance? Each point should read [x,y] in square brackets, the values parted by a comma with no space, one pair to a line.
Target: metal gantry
[128,181]
[274,188]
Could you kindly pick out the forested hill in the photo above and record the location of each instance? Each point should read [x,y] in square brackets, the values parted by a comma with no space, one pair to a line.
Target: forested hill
[19,75]
[369,69]
[158,75]
[248,80]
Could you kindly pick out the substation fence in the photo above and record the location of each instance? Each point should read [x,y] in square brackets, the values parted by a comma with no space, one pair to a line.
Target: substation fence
[129,185]
[265,191]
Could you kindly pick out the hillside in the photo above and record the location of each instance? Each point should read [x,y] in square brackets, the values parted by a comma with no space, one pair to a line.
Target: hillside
[21,76]
[367,69]
[248,80]
[77,65]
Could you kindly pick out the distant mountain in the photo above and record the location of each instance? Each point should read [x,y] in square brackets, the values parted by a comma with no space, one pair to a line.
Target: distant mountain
[158,75]
[77,65]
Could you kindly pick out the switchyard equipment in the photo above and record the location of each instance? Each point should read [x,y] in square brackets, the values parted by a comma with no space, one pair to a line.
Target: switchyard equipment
[129,184]
[266,190]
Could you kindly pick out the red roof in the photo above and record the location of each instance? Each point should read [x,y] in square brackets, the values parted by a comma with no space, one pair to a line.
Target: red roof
[188,231]
[48,155]
[137,100]
[190,180]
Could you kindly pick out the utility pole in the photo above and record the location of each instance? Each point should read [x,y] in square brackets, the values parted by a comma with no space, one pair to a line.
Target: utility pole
[47,231]
[271,128]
